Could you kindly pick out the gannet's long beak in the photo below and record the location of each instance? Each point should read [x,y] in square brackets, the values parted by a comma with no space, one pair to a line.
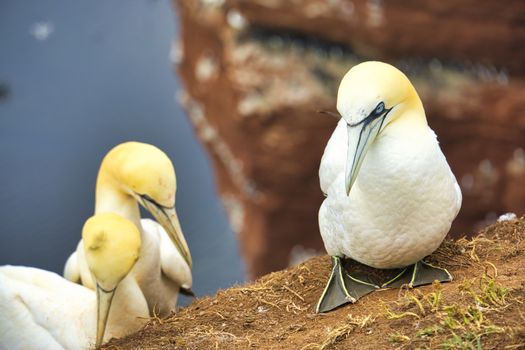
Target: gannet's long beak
[168,218]
[360,137]
[104,299]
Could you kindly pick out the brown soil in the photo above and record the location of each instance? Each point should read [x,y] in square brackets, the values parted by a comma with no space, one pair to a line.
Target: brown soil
[483,308]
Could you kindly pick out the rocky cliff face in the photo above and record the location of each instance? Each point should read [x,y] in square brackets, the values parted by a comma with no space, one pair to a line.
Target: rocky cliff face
[256,73]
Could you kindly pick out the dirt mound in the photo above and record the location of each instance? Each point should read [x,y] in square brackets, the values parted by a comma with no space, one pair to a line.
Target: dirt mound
[483,308]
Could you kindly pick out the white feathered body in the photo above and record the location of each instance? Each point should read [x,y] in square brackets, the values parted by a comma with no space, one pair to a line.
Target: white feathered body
[159,272]
[41,310]
[401,205]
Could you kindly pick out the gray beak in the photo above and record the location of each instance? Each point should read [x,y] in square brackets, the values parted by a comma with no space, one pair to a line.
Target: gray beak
[104,299]
[360,137]
[167,217]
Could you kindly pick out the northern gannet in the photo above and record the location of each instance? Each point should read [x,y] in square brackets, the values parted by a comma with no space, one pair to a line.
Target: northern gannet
[41,310]
[390,194]
[133,173]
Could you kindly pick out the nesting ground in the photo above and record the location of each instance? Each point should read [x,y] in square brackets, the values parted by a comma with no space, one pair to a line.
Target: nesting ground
[483,308]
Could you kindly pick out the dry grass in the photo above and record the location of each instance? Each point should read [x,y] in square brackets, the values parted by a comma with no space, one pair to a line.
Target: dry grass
[341,332]
[481,309]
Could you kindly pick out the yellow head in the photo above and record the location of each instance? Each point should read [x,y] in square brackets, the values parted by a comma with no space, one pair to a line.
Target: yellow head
[373,88]
[146,173]
[142,169]
[371,96]
[112,246]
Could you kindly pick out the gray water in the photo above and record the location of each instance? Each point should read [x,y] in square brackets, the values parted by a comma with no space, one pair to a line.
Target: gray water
[77,78]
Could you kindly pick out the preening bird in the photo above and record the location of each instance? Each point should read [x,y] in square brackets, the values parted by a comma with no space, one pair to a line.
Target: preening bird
[41,310]
[391,196]
[136,173]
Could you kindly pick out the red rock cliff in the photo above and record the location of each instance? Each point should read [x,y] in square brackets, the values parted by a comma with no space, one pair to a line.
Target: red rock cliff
[257,71]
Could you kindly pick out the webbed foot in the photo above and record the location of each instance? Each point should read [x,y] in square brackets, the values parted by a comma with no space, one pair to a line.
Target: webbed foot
[419,274]
[342,288]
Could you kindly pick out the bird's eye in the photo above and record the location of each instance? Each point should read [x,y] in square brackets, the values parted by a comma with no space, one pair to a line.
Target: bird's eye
[380,108]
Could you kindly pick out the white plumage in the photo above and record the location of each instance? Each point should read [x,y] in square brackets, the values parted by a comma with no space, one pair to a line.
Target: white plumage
[390,194]
[41,310]
[401,205]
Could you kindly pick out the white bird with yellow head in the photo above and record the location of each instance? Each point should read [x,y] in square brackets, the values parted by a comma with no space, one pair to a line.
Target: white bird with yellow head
[41,310]
[133,173]
[390,194]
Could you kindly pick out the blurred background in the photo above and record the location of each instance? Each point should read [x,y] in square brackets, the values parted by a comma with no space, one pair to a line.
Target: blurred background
[257,71]
[76,79]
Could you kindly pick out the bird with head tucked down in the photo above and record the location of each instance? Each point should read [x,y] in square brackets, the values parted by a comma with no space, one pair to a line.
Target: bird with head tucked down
[391,196]
[133,174]
[41,310]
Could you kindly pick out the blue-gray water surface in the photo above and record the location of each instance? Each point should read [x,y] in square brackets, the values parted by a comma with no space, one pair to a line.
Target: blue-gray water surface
[77,78]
